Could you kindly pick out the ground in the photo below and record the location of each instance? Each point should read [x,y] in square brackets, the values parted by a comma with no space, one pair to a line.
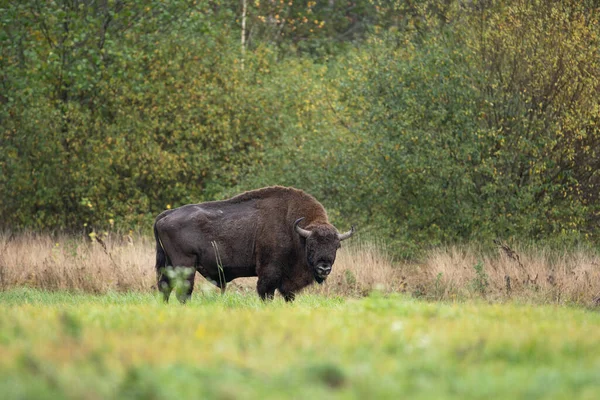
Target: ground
[61,345]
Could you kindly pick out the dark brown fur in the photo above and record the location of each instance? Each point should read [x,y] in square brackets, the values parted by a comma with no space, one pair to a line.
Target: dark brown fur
[253,234]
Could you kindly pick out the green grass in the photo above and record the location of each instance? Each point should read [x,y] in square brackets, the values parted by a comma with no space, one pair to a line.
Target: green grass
[60,345]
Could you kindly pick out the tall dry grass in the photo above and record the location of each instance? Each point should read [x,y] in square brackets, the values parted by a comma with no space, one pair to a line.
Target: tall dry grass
[126,263]
[536,274]
[360,268]
[115,263]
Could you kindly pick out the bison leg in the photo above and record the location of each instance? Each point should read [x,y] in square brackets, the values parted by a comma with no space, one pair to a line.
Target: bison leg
[266,289]
[163,284]
[289,296]
[288,290]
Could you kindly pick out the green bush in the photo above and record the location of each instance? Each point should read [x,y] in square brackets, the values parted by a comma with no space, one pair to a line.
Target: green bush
[447,129]
[115,113]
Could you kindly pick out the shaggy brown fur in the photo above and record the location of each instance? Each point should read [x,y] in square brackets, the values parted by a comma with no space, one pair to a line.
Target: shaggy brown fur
[257,233]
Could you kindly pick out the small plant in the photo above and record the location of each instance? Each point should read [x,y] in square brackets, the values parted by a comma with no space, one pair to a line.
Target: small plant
[438,286]
[349,278]
[2,278]
[330,375]
[71,325]
[481,282]
[508,286]
[419,291]
[179,279]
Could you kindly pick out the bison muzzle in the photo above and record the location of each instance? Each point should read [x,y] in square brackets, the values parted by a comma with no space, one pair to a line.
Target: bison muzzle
[282,235]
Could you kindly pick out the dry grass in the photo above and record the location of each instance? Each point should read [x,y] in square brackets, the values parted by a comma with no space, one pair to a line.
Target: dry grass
[75,263]
[361,268]
[540,275]
[125,263]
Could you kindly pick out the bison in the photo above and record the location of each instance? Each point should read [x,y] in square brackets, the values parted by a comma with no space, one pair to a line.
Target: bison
[282,235]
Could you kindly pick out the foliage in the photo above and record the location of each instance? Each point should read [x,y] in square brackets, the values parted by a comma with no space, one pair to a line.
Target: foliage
[461,122]
[541,67]
[118,111]
[421,122]
[316,28]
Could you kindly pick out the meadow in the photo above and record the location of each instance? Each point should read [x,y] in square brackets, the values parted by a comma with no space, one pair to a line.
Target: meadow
[61,345]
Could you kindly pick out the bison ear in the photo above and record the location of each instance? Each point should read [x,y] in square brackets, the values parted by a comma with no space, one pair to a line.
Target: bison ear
[302,232]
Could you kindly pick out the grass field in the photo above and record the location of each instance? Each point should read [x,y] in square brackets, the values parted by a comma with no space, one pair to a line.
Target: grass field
[60,345]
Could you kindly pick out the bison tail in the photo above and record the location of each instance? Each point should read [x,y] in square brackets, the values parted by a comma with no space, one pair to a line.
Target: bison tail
[162,279]
[161,256]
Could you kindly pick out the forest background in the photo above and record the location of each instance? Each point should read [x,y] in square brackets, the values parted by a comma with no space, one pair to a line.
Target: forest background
[421,122]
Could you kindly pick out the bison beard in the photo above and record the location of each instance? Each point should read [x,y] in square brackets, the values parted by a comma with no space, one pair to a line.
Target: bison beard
[282,235]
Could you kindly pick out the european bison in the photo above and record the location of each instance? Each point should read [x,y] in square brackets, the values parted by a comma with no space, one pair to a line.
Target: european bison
[282,235]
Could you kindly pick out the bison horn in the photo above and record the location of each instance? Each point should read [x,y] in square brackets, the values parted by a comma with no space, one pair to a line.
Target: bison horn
[346,235]
[302,232]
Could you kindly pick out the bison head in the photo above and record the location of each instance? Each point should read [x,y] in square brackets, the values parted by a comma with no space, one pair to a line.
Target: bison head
[322,243]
